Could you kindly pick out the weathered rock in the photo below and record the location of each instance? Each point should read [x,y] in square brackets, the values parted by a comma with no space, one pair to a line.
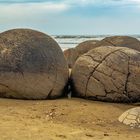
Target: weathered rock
[122,41]
[131,117]
[85,46]
[108,74]
[32,65]
[72,54]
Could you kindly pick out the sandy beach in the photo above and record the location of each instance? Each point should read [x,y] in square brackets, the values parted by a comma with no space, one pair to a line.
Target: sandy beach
[70,70]
[70,119]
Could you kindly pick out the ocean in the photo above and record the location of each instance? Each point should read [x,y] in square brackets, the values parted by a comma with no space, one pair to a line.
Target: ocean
[70,41]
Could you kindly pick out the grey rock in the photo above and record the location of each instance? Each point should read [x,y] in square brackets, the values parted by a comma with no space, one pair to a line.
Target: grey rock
[32,65]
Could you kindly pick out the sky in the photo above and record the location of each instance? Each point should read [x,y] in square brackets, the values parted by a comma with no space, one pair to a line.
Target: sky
[72,17]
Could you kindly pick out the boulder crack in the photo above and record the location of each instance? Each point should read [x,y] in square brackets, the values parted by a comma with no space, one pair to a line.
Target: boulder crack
[110,42]
[92,58]
[90,75]
[127,79]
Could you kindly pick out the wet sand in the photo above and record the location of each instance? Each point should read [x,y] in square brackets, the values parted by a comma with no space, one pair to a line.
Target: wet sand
[70,119]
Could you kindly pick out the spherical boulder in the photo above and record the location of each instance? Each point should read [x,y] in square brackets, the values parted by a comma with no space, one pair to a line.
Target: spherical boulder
[32,65]
[108,74]
[72,54]
[131,117]
[122,41]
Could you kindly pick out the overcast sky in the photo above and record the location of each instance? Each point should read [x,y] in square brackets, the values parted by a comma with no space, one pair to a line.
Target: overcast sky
[72,16]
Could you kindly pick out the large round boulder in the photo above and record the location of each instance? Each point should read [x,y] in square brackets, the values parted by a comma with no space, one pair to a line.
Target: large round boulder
[32,65]
[122,41]
[72,54]
[108,74]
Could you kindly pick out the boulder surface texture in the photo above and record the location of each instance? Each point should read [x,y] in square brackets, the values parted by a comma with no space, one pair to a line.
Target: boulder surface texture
[122,41]
[32,65]
[72,54]
[108,74]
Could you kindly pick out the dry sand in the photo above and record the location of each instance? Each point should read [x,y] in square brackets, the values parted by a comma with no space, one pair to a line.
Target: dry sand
[70,119]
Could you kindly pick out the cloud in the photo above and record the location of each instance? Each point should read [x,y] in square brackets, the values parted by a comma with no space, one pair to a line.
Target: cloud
[42,10]
[26,7]
[70,16]
[75,3]
[22,1]
[136,1]
[102,2]
[31,11]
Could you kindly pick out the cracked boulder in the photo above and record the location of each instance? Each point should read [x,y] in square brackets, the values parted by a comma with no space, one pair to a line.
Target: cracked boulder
[131,117]
[122,41]
[108,74]
[72,54]
[32,65]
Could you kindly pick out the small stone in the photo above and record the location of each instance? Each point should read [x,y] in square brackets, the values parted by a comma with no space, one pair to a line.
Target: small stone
[89,135]
[128,118]
[105,134]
